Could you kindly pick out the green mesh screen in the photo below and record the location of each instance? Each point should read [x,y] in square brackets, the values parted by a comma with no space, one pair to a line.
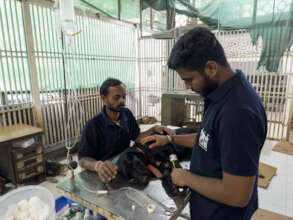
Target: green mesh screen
[269,19]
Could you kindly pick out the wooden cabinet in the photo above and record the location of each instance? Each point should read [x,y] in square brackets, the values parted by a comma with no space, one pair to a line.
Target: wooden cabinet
[18,162]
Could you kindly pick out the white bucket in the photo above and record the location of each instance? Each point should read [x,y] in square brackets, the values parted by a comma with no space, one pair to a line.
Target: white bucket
[27,192]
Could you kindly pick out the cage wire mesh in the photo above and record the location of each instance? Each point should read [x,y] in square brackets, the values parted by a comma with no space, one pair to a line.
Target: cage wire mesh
[139,63]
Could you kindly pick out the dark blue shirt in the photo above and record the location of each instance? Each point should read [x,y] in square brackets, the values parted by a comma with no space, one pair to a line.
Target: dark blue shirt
[103,139]
[230,139]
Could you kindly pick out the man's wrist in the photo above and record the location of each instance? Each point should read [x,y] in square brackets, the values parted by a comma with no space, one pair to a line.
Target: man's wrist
[98,165]
[170,138]
[184,177]
[187,176]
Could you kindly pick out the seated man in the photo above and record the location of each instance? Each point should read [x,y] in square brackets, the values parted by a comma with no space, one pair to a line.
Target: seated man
[110,132]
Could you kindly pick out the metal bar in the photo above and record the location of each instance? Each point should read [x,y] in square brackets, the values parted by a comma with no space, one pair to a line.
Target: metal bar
[59,105]
[290,96]
[277,112]
[282,113]
[119,9]
[273,102]
[53,85]
[87,77]
[9,72]
[21,115]
[43,75]
[46,72]
[93,68]
[49,74]
[28,118]
[98,63]
[273,111]
[254,12]
[42,110]
[95,91]
[3,75]
[89,72]
[151,18]
[140,20]
[92,23]
[13,67]
[139,74]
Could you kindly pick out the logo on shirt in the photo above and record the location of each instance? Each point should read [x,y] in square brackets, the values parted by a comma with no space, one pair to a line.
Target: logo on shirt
[203,139]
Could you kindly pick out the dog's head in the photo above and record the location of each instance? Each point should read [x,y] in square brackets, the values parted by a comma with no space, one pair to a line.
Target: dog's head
[132,167]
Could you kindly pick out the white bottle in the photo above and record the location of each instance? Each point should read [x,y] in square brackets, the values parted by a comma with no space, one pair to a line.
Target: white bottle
[67,16]
[95,216]
[78,216]
[87,215]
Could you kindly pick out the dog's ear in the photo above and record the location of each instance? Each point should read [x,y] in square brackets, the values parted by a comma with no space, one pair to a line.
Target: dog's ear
[162,153]
[124,164]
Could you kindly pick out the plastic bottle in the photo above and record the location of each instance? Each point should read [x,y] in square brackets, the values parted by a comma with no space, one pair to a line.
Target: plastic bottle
[67,16]
[87,215]
[78,216]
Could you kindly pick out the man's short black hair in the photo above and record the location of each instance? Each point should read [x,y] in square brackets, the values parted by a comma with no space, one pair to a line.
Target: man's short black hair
[194,49]
[109,83]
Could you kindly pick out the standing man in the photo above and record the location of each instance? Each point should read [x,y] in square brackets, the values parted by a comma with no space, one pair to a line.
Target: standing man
[226,150]
[110,132]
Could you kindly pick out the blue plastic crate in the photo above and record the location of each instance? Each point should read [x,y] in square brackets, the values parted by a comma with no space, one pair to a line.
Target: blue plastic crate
[60,202]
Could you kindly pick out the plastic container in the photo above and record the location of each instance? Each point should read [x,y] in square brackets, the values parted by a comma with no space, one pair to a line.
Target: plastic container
[67,15]
[61,202]
[27,192]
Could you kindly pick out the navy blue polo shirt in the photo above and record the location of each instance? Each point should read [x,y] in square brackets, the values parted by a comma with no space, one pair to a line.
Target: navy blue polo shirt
[103,139]
[230,139]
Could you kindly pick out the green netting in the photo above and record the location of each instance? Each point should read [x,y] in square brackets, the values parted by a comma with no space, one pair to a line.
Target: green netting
[179,6]
[130,11]
[159,20]
[109,7]
[269,19]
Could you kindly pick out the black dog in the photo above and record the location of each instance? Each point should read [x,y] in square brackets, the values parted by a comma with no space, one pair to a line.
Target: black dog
[139,164]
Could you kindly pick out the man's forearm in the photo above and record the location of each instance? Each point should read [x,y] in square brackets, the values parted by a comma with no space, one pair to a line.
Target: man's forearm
[185,140]
[88,163]
[144,134]
[214,189]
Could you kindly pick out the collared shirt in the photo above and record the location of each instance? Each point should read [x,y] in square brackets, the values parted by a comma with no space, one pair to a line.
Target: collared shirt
[230,139]
[103,139]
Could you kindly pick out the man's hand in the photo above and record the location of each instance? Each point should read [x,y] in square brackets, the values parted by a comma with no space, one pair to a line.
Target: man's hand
[160,140]
[161,129]
[106,170]
[179,176]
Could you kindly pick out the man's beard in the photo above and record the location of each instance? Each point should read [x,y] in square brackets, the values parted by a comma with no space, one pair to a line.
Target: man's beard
[118,109]
[209,86]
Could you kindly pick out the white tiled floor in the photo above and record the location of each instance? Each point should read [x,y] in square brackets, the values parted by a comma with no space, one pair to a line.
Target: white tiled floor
[278,197]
